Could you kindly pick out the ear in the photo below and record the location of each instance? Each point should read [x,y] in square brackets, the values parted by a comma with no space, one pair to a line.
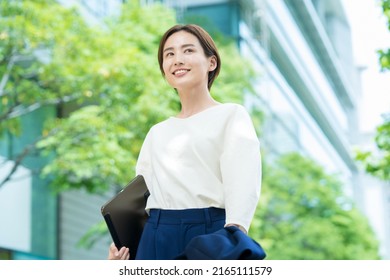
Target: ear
[213,63]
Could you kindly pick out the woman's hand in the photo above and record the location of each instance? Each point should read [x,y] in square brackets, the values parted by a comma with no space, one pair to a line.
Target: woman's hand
[114,254]
[240,227]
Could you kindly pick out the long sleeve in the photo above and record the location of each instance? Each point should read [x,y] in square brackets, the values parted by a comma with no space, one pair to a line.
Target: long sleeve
[241,169]
[144,162]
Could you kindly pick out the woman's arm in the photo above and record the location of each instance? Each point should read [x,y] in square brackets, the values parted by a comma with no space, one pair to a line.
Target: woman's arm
[241,169]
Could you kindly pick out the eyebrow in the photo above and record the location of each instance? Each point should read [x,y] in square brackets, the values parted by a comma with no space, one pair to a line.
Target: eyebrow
[183,46]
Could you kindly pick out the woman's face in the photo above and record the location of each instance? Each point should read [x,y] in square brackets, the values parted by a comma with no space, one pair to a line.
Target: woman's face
[185,63]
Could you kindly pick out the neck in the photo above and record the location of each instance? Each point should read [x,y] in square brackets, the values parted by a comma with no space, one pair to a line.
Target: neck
[194,101]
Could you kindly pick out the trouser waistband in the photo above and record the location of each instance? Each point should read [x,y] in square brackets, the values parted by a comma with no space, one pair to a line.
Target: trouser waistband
[198,215]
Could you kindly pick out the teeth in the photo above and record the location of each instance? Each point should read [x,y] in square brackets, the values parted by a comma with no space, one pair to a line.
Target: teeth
[180,72]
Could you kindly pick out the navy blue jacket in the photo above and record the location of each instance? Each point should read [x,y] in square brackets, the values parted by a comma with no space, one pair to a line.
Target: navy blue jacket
[229,243]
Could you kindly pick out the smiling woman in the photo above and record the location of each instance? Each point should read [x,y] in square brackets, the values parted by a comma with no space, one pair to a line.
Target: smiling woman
[202,167]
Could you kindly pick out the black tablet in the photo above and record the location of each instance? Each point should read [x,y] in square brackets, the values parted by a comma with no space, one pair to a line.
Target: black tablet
[125,215]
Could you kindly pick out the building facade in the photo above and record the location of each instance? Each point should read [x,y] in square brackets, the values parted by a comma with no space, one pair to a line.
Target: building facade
[308,87]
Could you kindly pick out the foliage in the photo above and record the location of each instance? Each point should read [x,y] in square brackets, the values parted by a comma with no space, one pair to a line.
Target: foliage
[303,214]
[378,163]
[384,55]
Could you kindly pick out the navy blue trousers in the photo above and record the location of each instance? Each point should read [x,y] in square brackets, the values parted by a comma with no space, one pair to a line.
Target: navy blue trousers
[167,232]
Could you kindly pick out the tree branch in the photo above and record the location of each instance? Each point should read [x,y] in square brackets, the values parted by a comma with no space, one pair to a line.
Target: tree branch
[18,161]
[21,109]
[6,75]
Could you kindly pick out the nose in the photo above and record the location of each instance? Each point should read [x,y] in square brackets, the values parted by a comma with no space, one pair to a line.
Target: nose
[178,59]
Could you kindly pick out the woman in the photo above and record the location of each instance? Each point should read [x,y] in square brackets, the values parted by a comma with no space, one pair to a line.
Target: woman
[202,167]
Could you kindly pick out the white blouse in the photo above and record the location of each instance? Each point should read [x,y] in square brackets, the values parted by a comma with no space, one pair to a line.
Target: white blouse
[210,159]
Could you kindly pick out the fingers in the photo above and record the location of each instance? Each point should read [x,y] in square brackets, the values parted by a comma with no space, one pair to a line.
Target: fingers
[124,253]
[114,254]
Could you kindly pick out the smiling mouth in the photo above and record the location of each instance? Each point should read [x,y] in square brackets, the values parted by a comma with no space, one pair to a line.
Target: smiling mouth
[180,72]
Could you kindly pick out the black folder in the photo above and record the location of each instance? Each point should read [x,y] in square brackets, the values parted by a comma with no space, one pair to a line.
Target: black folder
[125,215]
